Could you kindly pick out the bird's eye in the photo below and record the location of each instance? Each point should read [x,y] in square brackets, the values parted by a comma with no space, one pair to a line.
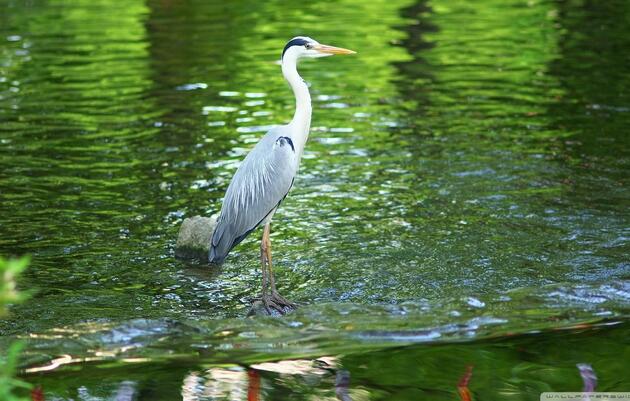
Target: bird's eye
[308,46]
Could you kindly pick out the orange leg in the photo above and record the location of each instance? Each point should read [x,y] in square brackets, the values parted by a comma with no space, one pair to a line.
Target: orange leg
[274,300]
[267,245]
[263,268]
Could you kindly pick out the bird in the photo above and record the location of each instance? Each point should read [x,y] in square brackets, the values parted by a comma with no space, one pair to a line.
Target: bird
[267,173]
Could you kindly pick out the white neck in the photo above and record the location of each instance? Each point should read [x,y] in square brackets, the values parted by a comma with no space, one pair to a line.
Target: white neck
[301,122]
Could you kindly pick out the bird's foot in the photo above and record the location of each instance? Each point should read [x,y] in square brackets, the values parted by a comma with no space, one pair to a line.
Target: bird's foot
[272,305]
[282,301]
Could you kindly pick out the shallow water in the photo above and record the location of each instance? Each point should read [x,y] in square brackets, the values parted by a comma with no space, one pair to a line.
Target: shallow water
[466,179]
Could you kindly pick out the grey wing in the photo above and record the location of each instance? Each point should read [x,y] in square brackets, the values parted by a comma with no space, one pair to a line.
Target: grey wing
[261,182]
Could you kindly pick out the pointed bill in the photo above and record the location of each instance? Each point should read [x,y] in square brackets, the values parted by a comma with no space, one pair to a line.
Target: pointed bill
[332,49]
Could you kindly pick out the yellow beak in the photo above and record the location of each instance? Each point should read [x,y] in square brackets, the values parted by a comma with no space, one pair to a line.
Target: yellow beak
[332,49]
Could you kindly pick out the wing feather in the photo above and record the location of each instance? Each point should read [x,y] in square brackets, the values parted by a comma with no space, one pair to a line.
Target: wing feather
[259,185]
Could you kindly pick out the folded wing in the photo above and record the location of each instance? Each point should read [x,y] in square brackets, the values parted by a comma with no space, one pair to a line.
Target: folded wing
[261,182]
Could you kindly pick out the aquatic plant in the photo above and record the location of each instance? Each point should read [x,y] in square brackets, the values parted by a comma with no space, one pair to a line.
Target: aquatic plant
[10,269]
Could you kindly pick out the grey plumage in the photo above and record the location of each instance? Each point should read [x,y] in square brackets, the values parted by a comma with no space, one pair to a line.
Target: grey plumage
[266,174]
[259,185]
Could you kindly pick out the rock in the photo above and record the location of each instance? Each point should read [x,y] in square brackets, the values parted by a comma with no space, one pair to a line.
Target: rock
[193,240]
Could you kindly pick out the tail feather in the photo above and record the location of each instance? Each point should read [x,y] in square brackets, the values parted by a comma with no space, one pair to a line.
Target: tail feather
[215,257]
[219,248]
[222,243]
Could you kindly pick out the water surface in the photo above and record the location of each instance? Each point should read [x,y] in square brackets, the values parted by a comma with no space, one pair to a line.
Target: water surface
[466,179]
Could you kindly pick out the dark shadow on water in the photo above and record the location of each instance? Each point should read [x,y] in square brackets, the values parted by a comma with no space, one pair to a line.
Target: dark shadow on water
[592,68]
[593,110]
[591,116]
[413,74]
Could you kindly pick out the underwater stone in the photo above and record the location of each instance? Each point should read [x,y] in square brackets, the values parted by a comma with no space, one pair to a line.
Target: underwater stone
[193,240]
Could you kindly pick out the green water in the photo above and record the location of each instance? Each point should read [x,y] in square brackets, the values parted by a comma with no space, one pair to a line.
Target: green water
[463,198]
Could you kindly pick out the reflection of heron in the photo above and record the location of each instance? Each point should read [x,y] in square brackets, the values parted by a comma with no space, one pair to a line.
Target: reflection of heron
[223,383]
[265,176]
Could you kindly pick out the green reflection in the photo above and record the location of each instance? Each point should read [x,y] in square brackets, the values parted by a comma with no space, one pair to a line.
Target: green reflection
[465,179]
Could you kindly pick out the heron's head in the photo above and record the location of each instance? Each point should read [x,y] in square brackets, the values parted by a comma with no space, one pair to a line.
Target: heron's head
[305,47]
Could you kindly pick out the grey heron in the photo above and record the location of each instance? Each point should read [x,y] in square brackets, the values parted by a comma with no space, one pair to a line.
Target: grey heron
[266,175]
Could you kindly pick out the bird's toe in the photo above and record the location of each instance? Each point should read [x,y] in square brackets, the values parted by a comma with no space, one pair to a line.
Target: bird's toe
[271,305]
[282,301]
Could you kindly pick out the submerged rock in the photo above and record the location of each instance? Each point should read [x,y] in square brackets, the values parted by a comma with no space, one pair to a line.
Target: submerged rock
[193,240]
